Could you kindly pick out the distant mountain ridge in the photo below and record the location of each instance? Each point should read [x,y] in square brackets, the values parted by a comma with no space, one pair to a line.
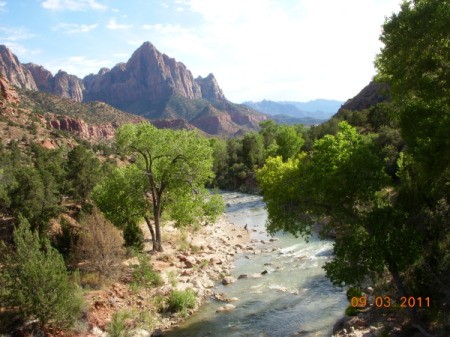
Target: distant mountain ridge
[149,84]
[311,112]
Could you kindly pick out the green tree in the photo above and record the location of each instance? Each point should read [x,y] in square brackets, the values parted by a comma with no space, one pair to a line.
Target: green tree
[35,196]
[83,171]
[281,140]
[415,62]
[174,163]
[342,179]
[35,281]
[121,196]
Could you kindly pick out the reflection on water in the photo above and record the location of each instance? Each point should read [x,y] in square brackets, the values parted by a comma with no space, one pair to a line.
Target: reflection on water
[293,297]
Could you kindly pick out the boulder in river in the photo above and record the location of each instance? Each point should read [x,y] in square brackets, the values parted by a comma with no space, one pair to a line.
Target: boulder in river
[228,280]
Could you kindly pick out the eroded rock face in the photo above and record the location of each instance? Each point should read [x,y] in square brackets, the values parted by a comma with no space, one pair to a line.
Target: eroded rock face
[42,77]
[174,124]
[210,88]
[62,84]
[7,93]
[84,130]
[148,77]
[14,71]
[68,86]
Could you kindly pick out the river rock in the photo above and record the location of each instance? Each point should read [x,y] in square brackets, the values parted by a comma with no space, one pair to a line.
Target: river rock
[96,331]
[228,280]
[157,333]
[226,307]
[354,322]
[140,333]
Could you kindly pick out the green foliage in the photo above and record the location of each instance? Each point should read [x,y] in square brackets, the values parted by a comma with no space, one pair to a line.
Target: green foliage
[305,187]
[121,196]
[118,326]
[353,292]
[133,236]
[180,301]
[415,63]
[36,282]
[351,311]
[84,172]
[144,275]
[35,196]
[176,165]
[236,161]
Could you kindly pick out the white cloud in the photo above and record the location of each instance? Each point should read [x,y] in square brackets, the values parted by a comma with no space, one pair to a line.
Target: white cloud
[289,50]
[73,5]
[72,28]
[15,34]
[2,6]
[113,25]
[165,28]
[21,51]
[78,65]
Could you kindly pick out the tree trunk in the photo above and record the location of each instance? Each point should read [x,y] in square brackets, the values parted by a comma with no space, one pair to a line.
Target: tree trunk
[152,232]
[156,215]
[392,266]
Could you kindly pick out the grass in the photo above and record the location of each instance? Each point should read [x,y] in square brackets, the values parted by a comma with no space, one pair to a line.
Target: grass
[144,275]
[180,301]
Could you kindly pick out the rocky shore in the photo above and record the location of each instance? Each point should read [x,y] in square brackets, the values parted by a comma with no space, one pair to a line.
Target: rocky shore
[194,259]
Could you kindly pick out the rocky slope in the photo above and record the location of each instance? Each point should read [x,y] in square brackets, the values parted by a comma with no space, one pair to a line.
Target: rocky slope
[370,95]
[151,84]
[27,115]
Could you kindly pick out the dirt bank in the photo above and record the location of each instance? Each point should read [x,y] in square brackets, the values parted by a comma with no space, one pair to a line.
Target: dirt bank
[192,259]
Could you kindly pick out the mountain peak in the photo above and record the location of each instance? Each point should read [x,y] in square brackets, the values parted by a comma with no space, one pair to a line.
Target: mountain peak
[14,71]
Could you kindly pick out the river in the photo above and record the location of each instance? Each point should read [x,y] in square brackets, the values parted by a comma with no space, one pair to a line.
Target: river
[294,298]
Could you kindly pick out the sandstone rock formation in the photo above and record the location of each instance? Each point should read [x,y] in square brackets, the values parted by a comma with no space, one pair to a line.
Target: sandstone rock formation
[210,88]
[7,93]
[14,71]
[150,84]
[148,78]
[62,84]
[82,129]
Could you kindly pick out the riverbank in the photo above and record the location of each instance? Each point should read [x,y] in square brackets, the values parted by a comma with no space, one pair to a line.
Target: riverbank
[192,259]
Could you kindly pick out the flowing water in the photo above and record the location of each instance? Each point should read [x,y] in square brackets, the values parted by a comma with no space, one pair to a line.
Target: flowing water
[293,298]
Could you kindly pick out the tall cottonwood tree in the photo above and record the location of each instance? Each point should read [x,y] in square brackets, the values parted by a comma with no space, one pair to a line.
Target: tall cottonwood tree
[176,165]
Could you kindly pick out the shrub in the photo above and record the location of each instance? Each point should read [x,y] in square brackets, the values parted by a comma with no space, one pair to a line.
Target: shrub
[351,311]
[35,281]
[118,326]
[353,292]
[180,301]
[144,275]
[133,236]
[101,244]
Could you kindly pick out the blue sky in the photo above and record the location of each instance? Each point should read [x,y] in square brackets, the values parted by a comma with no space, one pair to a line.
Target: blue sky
[295,50]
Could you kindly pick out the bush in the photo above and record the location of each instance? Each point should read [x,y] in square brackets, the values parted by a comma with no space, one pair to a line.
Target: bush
[144,275]
[353,292]
[180,301]
[35,281]
[133,236]
[101,244]
[118,326]
[351,311]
